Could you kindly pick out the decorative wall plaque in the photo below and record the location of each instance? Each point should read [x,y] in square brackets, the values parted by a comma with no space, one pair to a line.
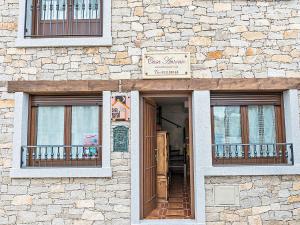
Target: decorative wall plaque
[120,108]
[166,65]
[120,138]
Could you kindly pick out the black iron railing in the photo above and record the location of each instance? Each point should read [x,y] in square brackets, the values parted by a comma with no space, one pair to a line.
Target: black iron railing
[63,18]
[260,154]
[61,156]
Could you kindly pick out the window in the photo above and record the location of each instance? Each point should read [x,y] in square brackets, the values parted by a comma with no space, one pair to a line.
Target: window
[248,128]
[64,131]
[61,18]
[48,23]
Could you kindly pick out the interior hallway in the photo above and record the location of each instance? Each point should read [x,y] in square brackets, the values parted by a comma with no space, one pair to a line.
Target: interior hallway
[178,205]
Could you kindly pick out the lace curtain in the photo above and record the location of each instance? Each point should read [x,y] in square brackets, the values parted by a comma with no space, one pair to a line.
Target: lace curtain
[262,130]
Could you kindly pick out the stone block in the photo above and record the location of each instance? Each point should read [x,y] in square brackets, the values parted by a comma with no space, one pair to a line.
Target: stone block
[294,199]
[92,215]
[200,41]
[22,200]
[254,220]
[177,3]
[85,204]
[251,36]
[215,55]
[219,7]
[260,209]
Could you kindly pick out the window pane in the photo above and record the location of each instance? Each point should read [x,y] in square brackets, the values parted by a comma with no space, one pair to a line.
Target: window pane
[227,130]
[53,9]
[85,130]
[50,131]
[87,9]
[262,130]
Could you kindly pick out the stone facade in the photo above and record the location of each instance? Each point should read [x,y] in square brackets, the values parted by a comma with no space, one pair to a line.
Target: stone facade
[226,39]
[263,200]
[243,39]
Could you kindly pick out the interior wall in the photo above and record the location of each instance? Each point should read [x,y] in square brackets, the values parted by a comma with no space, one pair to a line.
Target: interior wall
[176,113]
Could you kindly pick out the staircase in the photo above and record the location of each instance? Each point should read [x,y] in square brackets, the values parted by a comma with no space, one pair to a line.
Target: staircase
[176,161]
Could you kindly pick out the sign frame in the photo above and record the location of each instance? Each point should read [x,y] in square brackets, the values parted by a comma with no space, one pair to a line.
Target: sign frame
[116,146]
[120,108]
[173,73]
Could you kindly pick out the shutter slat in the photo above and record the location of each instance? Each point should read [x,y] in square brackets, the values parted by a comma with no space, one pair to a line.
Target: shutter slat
[66,100]
[245,99]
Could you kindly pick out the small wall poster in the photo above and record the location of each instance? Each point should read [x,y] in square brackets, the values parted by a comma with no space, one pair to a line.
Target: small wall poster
[120,139]
[120,108]
[90,140]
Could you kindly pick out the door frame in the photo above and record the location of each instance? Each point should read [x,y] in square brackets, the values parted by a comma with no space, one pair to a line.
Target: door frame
[200,99]
[187,95]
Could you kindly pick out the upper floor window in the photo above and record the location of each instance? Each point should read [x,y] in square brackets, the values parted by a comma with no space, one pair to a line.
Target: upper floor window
[64,131]
[248,129]
[62,23]
[63,18]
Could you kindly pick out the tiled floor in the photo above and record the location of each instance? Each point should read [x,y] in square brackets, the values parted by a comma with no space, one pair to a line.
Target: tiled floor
[178,205]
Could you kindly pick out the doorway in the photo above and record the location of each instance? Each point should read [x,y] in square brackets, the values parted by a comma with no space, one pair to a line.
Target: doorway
[166,157]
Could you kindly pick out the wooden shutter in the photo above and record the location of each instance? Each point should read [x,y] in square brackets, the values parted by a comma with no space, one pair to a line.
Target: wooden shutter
[59,100]
[245,99]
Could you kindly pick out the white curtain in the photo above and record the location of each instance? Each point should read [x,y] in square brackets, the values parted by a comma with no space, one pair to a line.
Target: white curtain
[227,129]
[86,9]
[262,129]
[50,130]
[85,130]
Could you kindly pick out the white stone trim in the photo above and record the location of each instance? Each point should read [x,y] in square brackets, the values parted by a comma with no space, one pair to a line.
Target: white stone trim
[239,170]
[105,40]
[201,143]
[106,128]
[135,157]
[20,138]
[291,115]
[20,127]
[135,176]
[60,172]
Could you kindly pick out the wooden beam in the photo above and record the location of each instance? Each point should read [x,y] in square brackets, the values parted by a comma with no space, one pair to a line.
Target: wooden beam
[214,84]
[58,87]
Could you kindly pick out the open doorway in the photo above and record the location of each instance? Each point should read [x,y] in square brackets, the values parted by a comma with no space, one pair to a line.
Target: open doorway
[167,168]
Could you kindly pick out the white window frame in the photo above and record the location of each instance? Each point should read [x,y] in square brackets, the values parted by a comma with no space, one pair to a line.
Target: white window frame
[201,100]
[105,40]
[20,139]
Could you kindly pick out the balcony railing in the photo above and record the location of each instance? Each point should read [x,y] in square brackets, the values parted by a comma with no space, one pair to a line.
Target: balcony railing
[63,18]
[61,156]
[258,154]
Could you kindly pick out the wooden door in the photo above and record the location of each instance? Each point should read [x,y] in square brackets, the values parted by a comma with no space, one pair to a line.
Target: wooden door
[149,157]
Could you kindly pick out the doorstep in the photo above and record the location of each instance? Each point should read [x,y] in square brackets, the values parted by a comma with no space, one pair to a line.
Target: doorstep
[169,222]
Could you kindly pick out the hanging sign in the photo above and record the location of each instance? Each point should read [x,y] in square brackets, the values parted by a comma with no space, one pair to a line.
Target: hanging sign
[120,138]
[120,108]
[158,65]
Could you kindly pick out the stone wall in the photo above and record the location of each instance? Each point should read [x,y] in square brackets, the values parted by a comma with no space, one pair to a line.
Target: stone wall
[263,200]
[225,38]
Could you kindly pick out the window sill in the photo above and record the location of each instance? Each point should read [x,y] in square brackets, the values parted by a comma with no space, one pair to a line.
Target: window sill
[261,170]
[63,42]
[60,172]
